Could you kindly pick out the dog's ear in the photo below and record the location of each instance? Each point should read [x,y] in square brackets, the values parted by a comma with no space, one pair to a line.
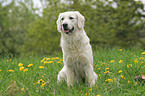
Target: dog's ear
[59,23]
[81,20]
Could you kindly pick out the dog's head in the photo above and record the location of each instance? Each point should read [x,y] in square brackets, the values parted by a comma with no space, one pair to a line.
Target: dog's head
[69,22]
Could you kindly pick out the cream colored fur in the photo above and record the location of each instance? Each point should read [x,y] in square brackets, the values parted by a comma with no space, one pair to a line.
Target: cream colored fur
[77,51]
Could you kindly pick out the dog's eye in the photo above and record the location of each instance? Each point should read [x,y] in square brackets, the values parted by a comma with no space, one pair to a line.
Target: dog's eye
[71,18]
[62,18]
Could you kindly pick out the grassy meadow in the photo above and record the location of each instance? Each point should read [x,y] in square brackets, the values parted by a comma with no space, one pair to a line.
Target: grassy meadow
[37,75]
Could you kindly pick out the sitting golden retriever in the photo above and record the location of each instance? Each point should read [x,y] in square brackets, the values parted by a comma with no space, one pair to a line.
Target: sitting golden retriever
[77,51]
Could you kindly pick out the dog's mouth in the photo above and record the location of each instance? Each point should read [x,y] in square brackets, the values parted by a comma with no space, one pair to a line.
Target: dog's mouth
[68,31]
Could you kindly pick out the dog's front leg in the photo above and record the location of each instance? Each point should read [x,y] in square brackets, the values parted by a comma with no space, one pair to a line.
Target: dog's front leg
[70,76]
[70,72]
[90,74]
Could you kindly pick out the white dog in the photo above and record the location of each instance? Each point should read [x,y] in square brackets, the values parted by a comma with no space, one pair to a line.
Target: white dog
[77,51]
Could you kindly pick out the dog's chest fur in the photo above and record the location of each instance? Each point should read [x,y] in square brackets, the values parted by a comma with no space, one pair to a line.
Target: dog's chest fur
[74,45]
[74,48]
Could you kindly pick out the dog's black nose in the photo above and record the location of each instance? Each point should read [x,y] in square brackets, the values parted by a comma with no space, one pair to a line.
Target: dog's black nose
[65,25]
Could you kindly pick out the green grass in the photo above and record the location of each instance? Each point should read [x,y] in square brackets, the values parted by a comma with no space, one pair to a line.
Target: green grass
[32,81]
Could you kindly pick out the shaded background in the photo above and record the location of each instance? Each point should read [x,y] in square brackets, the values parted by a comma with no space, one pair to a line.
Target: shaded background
[28,27]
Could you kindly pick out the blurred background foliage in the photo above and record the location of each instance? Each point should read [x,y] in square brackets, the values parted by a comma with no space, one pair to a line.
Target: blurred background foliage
[109,23]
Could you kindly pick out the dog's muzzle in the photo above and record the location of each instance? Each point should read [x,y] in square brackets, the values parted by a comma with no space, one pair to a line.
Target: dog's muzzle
[66,29]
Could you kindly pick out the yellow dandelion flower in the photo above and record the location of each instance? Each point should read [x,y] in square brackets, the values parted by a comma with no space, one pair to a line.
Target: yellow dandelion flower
[43,59]
[109,80]
[50,62]
[0,70]
[135,61]
[10,59]
[98,68]
[106,80]
[98,95]
[25,70]
[47,58]
[135,58]
[120,61]
[40,81]
[55,58]
[22,89]
[143,53]
[130,65]
[20,64]
[30,65]
[43,84]
[94,66]
[10,70]
[41,67]
[21,68]
[7,60]
[90,90]
[61,59]
[86,94]
[141,58]
[103,64]
[59,62]
[144,66]
[45,62]
[99,75]
[128,81]
[122,77]
[119,71]
[106,69]
[135,83]
[106,72]
[112,61]
[120,49]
